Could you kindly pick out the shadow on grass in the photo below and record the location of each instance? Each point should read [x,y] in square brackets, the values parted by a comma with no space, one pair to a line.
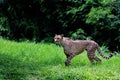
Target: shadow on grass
[12,68]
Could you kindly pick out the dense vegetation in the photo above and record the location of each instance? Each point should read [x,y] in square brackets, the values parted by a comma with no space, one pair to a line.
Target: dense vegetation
[80,19]
[30,61]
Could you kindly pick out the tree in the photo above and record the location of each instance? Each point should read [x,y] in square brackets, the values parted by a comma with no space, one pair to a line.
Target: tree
[80,19]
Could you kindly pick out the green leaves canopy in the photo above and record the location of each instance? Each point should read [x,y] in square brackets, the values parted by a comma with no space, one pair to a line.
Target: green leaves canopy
[80,19]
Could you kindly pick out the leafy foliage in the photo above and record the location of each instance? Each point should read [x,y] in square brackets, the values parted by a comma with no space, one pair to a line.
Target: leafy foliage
[79,34]
[40,19]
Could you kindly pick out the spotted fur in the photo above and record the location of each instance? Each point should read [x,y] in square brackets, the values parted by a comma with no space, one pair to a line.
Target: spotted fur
[75,47]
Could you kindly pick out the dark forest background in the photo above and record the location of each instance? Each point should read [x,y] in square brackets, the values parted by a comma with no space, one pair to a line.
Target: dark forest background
[40,20]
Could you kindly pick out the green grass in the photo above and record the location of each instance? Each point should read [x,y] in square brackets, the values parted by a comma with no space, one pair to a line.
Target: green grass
[30,61]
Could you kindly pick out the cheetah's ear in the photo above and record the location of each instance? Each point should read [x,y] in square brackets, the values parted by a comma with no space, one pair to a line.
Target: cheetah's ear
[62,35]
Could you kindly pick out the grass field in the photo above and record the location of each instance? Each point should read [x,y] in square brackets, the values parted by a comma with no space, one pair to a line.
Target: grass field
[30,61]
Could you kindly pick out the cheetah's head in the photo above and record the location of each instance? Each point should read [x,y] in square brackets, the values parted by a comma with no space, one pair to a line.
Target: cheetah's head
[58,38]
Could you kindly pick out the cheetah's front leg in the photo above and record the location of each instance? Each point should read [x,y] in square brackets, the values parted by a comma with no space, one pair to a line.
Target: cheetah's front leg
[67,62]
